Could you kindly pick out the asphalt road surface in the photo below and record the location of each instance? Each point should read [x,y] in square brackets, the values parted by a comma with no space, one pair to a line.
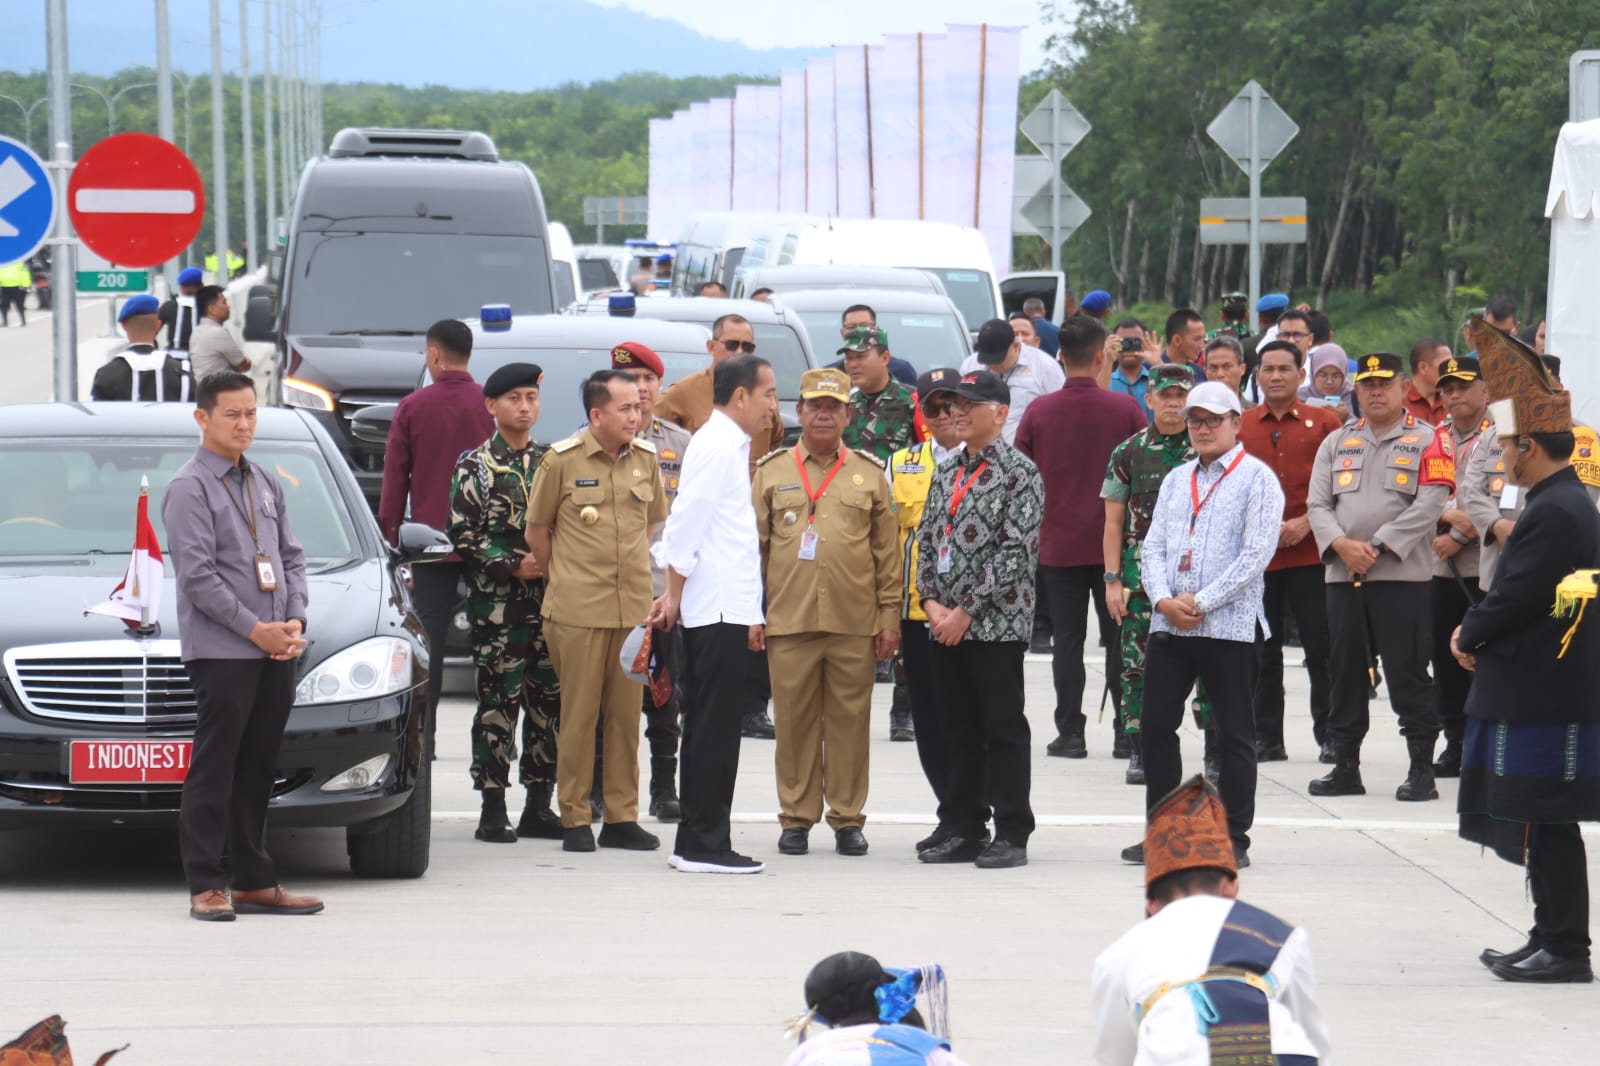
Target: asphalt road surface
[522,953]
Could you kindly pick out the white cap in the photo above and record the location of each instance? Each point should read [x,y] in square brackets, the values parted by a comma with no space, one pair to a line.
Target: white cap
[1215,396]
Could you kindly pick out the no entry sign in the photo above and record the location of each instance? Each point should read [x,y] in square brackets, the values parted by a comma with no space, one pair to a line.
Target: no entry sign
[135,200]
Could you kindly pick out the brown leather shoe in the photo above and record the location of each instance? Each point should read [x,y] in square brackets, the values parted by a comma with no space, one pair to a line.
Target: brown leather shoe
[274,900]
[211,906]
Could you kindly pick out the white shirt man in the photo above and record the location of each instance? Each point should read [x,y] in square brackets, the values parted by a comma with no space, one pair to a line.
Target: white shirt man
[713,518]
[1028,372]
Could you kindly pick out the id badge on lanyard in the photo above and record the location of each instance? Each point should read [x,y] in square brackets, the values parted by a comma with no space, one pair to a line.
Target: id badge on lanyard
[266,577]
[809,538]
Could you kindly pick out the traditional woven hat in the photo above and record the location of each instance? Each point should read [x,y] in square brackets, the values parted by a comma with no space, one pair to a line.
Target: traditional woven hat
[1188,830]
[1523,395]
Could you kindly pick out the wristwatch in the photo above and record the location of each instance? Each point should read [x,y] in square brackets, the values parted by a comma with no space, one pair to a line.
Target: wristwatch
[1111,577]
[1377,545]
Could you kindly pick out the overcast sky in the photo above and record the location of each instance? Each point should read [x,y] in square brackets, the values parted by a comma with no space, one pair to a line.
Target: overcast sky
[826,22]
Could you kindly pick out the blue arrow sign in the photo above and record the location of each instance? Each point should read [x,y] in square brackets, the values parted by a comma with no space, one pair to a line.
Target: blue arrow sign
[27,201]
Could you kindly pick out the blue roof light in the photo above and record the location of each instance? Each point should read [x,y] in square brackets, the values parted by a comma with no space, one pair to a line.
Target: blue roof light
[495,317]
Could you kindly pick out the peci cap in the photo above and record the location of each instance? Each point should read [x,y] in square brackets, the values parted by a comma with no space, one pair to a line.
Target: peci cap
[631,355]
[939,379]
[1171,376]
[1272,301]
[1460,368]
[1095,302]
[191,276]
[1379,366]
[864,338]
[995,338]
[1188,830]
[1213,396]
[984,386]
[143,304]
[825,383]
[513,376]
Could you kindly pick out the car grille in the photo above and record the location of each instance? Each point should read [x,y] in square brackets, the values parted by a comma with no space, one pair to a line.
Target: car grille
[365,457]
[113,681]
[56,790]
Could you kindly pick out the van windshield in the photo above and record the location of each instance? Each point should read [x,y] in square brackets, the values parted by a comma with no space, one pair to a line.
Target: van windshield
[408,281]
[972,291]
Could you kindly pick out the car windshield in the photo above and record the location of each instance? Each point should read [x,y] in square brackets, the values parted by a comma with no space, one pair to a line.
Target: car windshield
[78,497]
[972,291]
[597,274]
[408,281]
[925,340]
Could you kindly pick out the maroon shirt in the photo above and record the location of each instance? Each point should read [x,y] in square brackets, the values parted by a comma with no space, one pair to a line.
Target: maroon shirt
[432,427]
[1069,435]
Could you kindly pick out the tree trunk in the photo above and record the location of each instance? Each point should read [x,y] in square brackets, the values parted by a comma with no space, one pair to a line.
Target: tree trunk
[1174,250]
[1311,252]
[1127,252]
[1213,276]
[1450,275]
[1286,277]
[1227,283]
[1144,271]
[1347,187]
[1363,274]
[1196,272]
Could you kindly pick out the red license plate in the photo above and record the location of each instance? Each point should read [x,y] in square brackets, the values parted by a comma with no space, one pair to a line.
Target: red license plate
[130,762]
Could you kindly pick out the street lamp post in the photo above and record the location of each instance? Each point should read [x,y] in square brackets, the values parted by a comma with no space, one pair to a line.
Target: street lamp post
[122,92]
[111,109]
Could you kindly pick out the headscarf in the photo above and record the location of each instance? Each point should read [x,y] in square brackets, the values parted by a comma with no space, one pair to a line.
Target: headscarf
[1326,355]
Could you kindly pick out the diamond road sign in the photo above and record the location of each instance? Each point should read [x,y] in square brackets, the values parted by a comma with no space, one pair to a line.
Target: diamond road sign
[1074,212]
[1030,173]
[1055,126]
[1231,128]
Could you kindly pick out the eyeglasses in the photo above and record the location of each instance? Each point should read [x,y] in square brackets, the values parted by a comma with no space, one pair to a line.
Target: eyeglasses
[747,347]
[1207,421]
[1296,336]
[935,408]
[962,404]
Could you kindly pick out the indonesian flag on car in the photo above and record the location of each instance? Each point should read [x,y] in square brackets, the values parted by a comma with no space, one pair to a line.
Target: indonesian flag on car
[137,598]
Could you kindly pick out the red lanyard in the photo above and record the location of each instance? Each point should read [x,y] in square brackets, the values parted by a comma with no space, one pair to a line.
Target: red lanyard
[1194,488]
[960,492]
[806,480]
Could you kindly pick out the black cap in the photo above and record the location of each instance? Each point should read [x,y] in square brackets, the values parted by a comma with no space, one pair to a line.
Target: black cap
[1460,368]
[512,376]
[939,379]
[984,386]
[1379,365]
[994,341]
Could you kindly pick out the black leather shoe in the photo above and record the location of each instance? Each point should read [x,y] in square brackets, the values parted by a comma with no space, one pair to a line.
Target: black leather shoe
[1040,644]
[1121,746]
[578,838]
[794,841]
[666,808]
[1271,753]
[1241,857]
[901,726]
[1134,853]
[1326,755]
[1002,855]
[757,726]
[954,849]
[1068,746]
[850,841]
[940,835]
[1544,968]
[1491,958]
[629,836]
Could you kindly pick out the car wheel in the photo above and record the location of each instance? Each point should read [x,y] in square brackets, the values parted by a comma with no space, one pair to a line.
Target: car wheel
[396,845]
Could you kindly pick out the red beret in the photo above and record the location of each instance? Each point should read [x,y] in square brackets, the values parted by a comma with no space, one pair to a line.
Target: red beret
[631,355]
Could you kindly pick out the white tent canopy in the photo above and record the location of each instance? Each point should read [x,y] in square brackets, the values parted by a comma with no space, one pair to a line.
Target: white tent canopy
[1572,329]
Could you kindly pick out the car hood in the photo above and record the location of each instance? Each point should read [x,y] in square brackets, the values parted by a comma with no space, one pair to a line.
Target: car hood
[45,604]
[351,363]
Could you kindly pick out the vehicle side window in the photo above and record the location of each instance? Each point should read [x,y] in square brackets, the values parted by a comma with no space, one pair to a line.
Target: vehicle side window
[786,253]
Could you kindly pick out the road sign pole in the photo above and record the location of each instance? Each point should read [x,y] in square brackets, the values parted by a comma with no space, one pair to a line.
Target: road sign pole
[219,149]
[247,126]
[1055,186]
[164,122]
[1254,155]
[63,261]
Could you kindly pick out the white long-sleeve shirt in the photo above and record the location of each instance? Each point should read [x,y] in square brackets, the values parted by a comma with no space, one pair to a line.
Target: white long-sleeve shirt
[1176,946]
[711,534]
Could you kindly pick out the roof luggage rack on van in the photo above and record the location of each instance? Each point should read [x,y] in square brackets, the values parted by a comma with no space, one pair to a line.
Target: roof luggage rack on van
[448,144]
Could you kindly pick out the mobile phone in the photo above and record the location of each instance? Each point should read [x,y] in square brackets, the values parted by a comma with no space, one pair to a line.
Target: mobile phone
[1133,344]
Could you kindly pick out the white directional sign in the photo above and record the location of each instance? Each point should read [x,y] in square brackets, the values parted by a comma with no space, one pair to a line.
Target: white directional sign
[1252,129]
[27,202]
[1056,127]
[1226,220]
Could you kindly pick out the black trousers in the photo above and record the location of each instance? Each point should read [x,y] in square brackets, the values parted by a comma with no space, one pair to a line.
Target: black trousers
[717,694]
[978,691]
[1558,875]
[932,751]
[243,706]
[662,728]
[1227,667]
[1070,590]
[1394,617]
[435,591]
[1450,604]
[758,686]
[1297,590]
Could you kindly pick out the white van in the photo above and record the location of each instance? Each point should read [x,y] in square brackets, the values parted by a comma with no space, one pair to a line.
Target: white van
[713,244]
[564,257]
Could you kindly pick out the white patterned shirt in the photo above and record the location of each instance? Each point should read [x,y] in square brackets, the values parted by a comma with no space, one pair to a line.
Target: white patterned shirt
[1223,559]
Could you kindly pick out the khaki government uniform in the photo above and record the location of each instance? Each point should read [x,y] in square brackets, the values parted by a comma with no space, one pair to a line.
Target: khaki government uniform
[600,510]
[688,402]
[822,615]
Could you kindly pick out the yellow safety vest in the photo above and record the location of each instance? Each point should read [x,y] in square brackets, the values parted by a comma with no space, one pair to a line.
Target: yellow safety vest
[912,472]
[16,276]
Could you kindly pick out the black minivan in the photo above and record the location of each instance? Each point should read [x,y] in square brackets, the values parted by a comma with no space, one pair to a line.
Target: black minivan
[391,231]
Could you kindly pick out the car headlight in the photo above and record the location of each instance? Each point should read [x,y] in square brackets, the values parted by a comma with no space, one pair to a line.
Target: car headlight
[297,393]
[377,667]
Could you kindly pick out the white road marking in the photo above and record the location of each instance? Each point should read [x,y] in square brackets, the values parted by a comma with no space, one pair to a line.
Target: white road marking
[135,201]
[1089,821]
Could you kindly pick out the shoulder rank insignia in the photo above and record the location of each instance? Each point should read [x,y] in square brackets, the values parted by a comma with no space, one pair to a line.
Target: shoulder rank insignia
[869,457]
[564,445]
[774,453]
[644,445]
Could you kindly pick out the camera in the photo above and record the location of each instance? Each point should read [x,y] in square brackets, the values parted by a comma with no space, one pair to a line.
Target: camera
[1133,344]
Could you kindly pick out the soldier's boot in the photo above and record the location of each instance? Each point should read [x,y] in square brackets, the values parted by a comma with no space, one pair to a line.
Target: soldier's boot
[1345,777]
[1213,767]
[1419,784]
[538,820]
[1135,774]
[1448,764]
[664,806]
[901,726]
[1122,745]
[493,825]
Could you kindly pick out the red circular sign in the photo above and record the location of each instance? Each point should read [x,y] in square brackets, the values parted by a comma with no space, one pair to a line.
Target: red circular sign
[135,200]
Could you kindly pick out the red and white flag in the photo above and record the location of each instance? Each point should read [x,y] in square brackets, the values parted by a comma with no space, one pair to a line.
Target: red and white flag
[137,598]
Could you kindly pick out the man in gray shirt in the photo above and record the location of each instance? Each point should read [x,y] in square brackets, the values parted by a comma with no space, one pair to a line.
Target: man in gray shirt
[211,346]
[241,617]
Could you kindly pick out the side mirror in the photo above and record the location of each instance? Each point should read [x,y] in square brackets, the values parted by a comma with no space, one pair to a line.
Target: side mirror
[258,320]
[371,424]
[422,544]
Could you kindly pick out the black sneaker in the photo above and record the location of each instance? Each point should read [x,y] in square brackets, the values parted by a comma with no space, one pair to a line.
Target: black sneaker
[578,838]
[1040,644]
[757,726]
[850,841]
[1068,746]
[726,862]
[629,836]
[1134,854]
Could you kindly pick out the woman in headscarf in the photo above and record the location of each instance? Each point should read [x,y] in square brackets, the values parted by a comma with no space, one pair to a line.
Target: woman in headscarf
[1328,380]
[871,1016]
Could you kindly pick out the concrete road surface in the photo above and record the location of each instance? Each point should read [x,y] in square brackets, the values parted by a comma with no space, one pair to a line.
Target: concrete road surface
[27,353]
[523,954]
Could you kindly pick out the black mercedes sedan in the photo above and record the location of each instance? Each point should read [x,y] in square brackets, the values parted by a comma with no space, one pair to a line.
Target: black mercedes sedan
[97,717]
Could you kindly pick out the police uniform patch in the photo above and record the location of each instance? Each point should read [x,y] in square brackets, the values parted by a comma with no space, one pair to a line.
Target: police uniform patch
[1346,478]
[1497,485]
[1402,479]
[1351,442]
[1410,438]
[1401,460]
[667,455]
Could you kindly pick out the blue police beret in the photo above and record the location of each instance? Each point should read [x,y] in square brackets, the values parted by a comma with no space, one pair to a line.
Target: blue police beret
[190,276]
[1272,301]
[664,257]
[1098,300]
[142,304]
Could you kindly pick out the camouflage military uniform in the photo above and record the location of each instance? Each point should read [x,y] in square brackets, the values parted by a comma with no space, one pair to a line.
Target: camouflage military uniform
[1133,477]
[488,499]
[884,422]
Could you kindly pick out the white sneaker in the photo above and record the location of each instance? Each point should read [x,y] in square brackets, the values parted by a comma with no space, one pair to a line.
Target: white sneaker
[730,862]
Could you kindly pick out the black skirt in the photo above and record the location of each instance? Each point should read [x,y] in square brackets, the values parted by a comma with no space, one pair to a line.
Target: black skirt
[1517,777]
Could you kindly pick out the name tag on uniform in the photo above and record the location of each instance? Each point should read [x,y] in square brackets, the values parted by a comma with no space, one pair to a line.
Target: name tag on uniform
[944,559]
[587,483]
[266,577]
[808,544]
[1186,562]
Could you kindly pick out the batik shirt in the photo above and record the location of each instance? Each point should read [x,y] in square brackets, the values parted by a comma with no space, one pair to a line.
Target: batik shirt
[884,422]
